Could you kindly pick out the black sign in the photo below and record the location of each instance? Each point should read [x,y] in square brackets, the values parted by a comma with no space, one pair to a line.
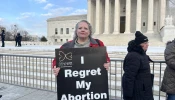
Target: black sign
[82,75]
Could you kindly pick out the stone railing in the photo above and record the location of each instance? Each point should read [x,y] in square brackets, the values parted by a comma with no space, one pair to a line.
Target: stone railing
[12,43]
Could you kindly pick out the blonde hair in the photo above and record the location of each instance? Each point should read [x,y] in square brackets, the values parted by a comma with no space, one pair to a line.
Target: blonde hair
[76,27]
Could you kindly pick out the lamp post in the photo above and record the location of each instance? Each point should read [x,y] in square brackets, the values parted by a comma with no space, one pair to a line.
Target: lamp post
[15,31]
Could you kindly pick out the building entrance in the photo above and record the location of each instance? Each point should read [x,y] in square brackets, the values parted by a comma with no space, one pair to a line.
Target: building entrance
[122,24]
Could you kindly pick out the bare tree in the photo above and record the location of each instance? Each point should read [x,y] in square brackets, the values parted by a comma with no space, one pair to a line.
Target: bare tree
[25,35]
[14,29]
[9,36]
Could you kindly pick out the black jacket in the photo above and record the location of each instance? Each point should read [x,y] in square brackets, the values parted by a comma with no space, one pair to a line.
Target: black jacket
[18,37]
[2,35]
[137,81]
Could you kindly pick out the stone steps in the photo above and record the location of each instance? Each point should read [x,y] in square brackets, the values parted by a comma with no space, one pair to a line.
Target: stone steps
[123,39]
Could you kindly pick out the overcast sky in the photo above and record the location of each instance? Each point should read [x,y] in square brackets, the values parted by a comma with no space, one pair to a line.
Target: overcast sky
[31,15]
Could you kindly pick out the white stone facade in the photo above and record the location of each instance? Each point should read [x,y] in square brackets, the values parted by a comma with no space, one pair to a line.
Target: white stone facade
[61,29]
[126,16]
[113,18]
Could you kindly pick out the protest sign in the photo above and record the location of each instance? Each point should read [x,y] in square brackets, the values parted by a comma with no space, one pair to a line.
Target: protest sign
[82,75]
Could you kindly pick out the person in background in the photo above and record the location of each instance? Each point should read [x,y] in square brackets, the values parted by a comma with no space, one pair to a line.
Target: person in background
[82,38]
[3,38]
[168,82]
[16,40]
[19,39]
[137,81]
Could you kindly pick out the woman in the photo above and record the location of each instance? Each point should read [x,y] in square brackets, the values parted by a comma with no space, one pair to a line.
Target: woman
[168,83]
[137,80]
[82,38]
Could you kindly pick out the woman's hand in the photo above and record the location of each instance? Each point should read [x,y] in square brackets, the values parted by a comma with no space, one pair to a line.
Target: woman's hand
[106,65]
[56,70]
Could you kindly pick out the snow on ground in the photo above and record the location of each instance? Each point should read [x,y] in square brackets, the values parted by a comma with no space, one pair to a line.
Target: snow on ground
[32,47]
[53,47]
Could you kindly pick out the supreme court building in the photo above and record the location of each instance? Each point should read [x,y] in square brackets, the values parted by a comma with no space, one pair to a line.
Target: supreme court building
[113,17]
[126,16]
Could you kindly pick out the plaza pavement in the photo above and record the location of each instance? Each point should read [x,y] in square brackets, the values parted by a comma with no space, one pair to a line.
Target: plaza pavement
[12,92]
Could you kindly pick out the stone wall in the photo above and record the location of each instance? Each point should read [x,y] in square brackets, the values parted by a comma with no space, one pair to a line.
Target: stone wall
[61,25]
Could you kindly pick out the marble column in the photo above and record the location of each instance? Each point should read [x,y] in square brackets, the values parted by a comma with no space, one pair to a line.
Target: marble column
[128,17]
[117,17]
[97,26]
[150,16]
[89,13]
[107,16]
[139,15]
[162,12]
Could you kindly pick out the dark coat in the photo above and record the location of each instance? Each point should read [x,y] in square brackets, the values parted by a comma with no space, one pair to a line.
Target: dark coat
[18,37]
[3,35]
[168,83]
[137,81]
